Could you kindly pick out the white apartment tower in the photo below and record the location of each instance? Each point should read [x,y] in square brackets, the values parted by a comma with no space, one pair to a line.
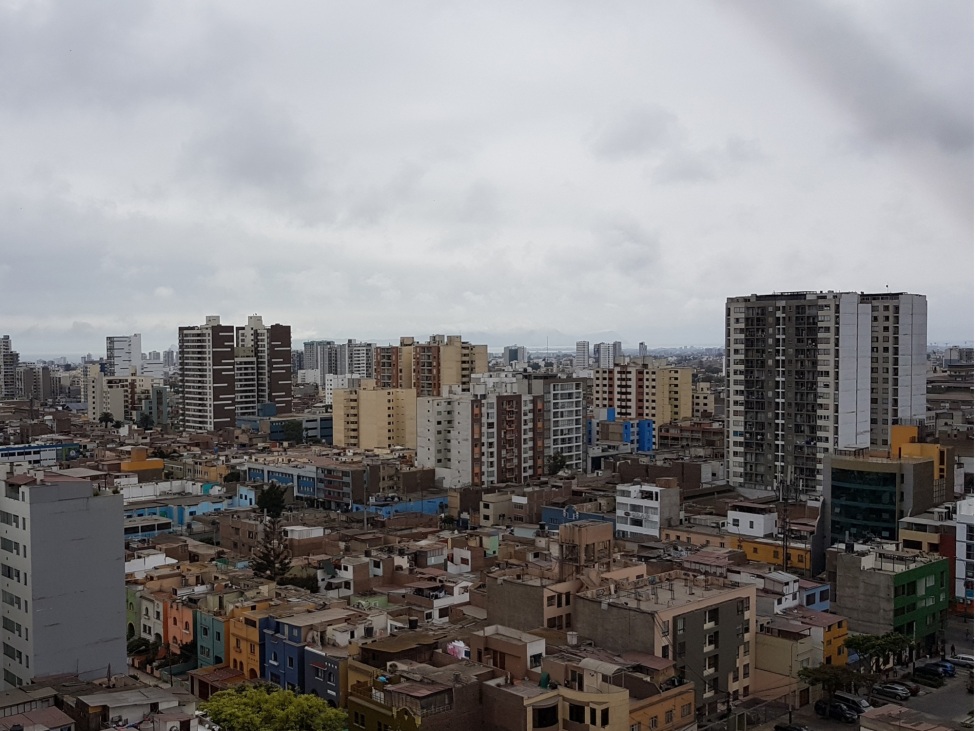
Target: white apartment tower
[582,354]
[122,354]
[63,580]
[812,372]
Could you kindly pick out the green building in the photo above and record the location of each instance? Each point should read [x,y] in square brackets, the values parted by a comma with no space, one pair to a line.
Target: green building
[882,588]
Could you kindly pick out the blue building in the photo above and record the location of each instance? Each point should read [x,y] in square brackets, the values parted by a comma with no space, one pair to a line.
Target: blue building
[325,675]
[814,595]
[385,509]
[285,639]
[210,634]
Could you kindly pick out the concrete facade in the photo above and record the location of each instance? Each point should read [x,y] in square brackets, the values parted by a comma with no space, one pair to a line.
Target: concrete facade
[63,580]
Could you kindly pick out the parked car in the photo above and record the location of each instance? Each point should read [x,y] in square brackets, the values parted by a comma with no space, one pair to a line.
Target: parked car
[857,703]
[930,670]
[912,688]
[835,710]
[965,661]
[892,690]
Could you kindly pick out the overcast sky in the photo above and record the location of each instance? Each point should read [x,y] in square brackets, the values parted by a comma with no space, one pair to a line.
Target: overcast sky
[511,171]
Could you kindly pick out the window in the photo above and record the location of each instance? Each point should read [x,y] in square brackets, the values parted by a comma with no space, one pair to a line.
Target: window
[679,623]
[577,713]
[545,717]
[685,710]
[653,722]
[745,670]
[319,673]
[604,717]
[712,616]
[291,662]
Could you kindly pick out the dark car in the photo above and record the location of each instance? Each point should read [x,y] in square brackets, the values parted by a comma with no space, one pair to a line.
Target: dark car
[931,669]
[892,690]
[836,710]
[790,727]
[946,666]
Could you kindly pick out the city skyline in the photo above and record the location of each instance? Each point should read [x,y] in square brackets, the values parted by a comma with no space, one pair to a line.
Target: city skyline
[505,172]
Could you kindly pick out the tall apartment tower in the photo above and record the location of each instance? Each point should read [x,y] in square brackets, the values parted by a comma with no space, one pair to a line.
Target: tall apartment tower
[354,359]
[812,372]
[122,354]
[63,580]
[9,359]
[227,372]
[429,367]
[606,354]
[582,354]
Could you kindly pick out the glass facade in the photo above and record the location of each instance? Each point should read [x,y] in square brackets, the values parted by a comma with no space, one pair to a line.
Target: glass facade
[863,504]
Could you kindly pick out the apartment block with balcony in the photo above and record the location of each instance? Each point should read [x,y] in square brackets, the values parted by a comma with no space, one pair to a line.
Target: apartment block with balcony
[374,417]
[642,510]
[429,367]
[642,391]
[813,372]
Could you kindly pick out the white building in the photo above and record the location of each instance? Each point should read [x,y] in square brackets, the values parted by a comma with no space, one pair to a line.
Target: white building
[582,354]
[752,519]
[123,353]
[965,551]
[641,510]
[812,372]
[63,580]
[9,358]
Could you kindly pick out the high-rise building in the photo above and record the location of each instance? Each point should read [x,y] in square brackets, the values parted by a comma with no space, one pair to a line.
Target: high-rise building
[582,354]
[34,381]
[812,372]
[372,417]
[227,372]
[514,354]
[353,358]
[8,369]
[63,580]
[642,350]
[507,428]
[642,391]
[319,355]
[123,353]
[607,354]
[429,367]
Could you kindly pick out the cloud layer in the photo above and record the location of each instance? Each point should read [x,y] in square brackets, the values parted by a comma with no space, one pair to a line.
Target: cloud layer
[375,169]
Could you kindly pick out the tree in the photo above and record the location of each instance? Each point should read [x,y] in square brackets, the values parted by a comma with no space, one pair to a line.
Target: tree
[302,581]
[268,708]
[272,557]
[145,422]
[106,418]
[271,500]
[831,677]
[232,476]
[556,463]
[294,431]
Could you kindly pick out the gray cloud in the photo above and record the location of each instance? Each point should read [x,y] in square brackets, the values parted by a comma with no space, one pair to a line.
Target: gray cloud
[634,133]
[462,168]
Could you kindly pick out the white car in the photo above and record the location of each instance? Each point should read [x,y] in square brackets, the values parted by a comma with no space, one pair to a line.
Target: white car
[963,661]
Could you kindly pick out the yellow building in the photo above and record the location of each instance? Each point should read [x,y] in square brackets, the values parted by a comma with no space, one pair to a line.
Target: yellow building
[829,632]
[640,391]
[430,367]
[370,417]
[904,442]
[244,638]
[763,550]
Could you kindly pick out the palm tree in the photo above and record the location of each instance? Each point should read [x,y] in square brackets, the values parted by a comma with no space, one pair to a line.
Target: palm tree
[106,418]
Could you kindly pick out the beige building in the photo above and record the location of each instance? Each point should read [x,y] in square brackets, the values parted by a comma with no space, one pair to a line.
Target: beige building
[641,391]
[703,400]
[372,417]
[431,366]
[118,395]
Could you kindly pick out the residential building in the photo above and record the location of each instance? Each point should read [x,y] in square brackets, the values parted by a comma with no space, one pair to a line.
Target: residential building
[353,358]
[505,429]
[641,510]
[965,553]
[606,355]
[319,355]
[228,372]
[9,358]
[429,367]
[123,355]
[756,520]
[34,382]
[63,579]
[813,372]
[374,417]
[581,359]
[703,400]
[881,589]
[639,390]
[706,625]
